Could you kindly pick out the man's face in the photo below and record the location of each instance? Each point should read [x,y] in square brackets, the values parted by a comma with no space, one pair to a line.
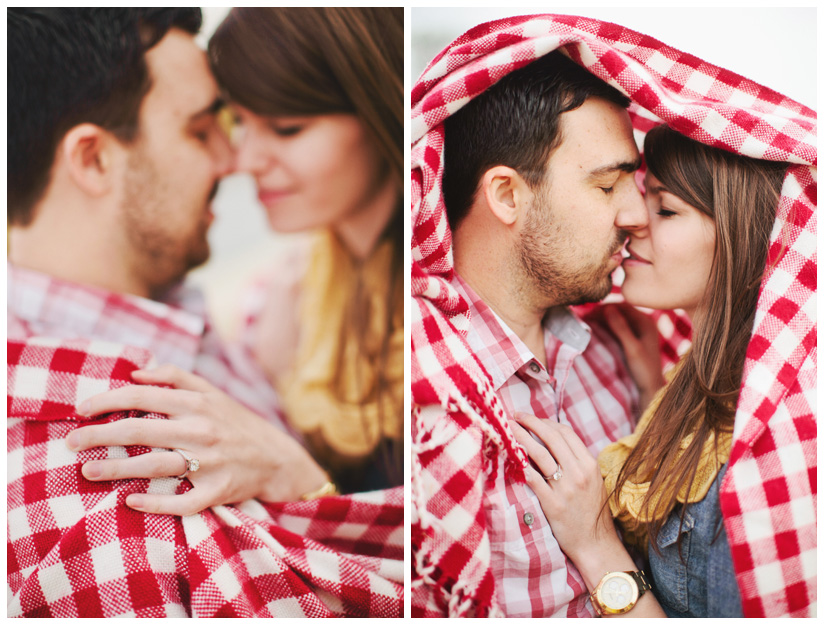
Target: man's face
[573,232]
[174,165]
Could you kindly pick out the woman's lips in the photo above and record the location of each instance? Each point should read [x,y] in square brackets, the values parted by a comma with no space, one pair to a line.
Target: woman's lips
[269,196]
[634,258]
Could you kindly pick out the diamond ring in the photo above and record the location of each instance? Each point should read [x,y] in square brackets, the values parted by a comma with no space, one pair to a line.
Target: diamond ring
[192,464]
[555,475]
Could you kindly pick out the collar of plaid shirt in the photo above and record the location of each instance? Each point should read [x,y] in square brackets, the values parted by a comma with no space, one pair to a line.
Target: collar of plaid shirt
[769,494]
[75,550]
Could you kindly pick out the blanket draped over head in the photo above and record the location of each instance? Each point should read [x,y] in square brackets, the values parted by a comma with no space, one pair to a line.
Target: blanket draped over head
[768,498]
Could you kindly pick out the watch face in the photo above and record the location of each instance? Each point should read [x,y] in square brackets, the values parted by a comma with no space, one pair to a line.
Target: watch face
[618,592]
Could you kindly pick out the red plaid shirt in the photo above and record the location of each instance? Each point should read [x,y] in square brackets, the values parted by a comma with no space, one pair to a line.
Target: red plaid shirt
[75,549]
[585,385]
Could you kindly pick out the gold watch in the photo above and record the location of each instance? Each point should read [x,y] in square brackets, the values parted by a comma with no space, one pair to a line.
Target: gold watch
[618,592]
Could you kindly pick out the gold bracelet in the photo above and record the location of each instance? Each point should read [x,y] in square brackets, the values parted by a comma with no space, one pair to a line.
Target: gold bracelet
[327,489]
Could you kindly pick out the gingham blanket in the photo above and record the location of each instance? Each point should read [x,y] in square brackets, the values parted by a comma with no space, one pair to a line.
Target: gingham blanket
[460,435]
[76,550]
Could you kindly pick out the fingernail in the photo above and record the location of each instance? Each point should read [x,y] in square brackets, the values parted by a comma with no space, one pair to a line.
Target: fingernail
[83,407]
[92,469]
[135,501]
[71,442]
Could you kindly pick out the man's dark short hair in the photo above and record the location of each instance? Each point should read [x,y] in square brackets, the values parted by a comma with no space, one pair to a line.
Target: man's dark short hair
[68,66]
[514,123]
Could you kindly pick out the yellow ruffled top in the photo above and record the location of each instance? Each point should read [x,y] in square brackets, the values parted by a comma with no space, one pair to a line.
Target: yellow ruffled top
[345,430]
[626,506]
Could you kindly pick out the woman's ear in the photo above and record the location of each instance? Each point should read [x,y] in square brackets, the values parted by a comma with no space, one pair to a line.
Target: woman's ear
[87,154]
[505,193]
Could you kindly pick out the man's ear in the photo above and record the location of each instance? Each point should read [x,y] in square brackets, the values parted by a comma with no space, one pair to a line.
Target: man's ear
[505,192]
[87,152]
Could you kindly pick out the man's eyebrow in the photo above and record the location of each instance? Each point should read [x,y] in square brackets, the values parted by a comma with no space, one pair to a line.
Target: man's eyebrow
[622,166]
[211,109]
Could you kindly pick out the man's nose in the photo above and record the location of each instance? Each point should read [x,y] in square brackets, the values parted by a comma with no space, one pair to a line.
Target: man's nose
[632,215]
[223,155]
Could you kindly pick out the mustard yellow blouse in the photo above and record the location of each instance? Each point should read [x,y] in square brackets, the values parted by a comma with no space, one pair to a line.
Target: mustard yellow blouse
[626,506]
[343,429]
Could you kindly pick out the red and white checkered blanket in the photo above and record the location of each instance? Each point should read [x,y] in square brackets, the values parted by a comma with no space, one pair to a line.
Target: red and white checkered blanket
[768,497]
[76,550]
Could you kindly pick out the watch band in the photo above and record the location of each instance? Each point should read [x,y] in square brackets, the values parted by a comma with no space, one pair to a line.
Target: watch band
[641,581]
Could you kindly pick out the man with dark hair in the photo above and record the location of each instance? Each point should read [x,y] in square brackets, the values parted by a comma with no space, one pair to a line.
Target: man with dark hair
[112,122]
[114,156]
[538,184]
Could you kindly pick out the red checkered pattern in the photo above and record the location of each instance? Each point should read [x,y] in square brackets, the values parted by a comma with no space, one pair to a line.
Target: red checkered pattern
[75,549]
[769,495]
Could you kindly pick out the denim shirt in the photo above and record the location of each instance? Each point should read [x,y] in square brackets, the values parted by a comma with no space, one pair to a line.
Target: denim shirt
[705,584]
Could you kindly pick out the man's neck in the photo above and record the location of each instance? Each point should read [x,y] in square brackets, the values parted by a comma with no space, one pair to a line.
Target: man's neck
[75,256]
[497,293]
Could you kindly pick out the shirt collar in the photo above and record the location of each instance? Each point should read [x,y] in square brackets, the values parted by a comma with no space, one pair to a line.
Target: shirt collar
[511,353]
[172,330]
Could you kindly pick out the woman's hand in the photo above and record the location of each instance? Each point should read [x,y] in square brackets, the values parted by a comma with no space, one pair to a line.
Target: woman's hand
[574,504]
[241,456]
[637,333]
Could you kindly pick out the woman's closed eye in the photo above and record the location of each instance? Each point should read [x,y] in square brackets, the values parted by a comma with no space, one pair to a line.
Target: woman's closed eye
[284,130]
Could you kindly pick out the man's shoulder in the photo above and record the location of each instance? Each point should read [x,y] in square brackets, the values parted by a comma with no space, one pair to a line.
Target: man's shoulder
[602,340]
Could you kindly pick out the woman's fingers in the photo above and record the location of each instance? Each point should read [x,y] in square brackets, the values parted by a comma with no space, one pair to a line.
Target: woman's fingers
[141,398]
[150,465]
[560,439]
[541,456]
[174,376]
[127,432]
[617,322]
[189,503]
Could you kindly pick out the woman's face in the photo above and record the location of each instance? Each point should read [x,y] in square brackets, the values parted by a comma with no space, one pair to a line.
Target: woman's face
[671,258]
[312,172]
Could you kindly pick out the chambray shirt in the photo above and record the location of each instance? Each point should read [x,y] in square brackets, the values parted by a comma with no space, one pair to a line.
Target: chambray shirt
[702,583]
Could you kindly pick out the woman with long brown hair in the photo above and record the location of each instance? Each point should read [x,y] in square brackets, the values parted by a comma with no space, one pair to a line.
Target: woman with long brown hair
[318,98]
[316,103]
[704,251]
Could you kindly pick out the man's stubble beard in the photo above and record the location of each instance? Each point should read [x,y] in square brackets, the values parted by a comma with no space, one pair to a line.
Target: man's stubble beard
[544,275]
[160,257]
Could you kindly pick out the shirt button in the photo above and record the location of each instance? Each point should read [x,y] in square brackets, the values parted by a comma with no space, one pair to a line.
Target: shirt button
[534,367]
[528,518]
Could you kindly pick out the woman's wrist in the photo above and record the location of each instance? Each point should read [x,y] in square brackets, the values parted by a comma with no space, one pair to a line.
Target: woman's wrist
[602,557]
[297,475]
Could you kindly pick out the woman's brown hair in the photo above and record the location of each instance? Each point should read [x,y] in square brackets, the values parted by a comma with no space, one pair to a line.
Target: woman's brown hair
[741,195]
[288,61]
